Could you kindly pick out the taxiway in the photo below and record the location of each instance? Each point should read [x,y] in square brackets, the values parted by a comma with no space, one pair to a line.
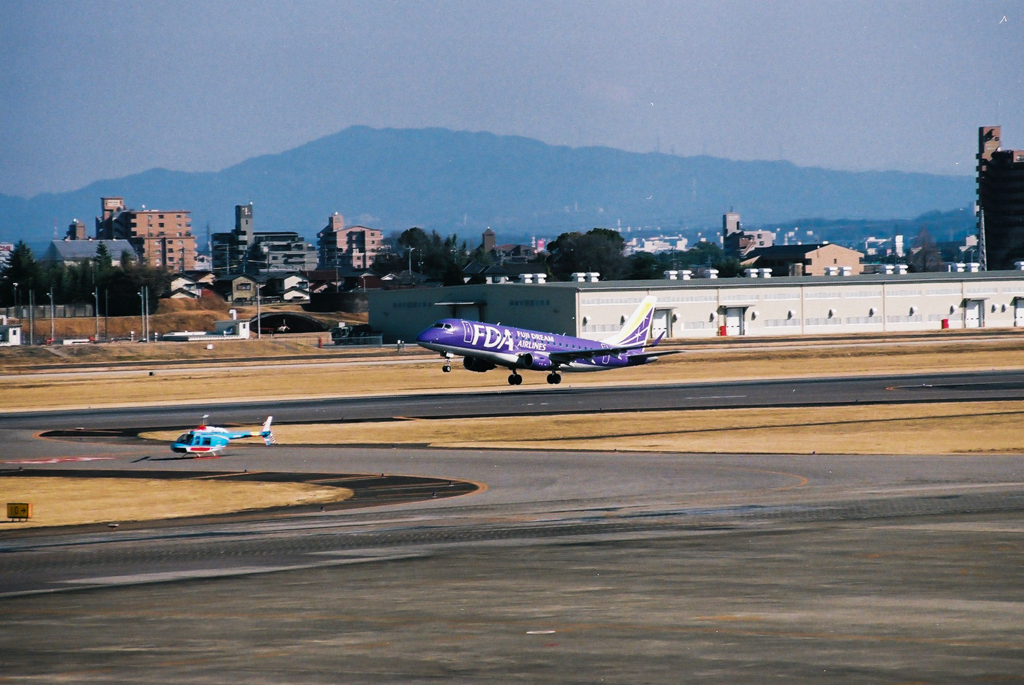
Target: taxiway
[569,566]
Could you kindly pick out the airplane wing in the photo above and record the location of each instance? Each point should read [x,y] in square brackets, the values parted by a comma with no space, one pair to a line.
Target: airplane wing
[644,358]
[572,355]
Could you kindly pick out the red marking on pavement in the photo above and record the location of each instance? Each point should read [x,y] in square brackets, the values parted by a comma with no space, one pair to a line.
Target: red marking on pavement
[56,460]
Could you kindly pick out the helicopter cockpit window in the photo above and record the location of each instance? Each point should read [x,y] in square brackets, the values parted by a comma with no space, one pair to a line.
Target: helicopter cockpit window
[184,438]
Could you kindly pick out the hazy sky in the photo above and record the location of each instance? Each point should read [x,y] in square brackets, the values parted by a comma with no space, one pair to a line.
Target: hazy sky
[92,90]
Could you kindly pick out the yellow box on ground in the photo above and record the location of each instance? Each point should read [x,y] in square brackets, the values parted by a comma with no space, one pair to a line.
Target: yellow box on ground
[19,510]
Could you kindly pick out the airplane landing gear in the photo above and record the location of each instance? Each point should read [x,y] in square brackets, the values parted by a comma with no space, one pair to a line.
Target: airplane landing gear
[554,378]
[447,368]
[515,379]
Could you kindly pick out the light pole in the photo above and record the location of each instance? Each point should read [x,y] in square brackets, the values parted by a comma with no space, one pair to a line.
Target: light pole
[144,297]
[96,312]
[52,314]
[259,327]
[17,302]
[410,266]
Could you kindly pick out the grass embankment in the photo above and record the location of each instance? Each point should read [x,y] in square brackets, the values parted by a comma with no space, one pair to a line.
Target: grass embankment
[170,315]
[66,502]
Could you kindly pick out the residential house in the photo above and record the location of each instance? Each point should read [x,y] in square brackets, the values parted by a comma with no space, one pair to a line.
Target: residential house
[238,288]
[291,287]
[184,288]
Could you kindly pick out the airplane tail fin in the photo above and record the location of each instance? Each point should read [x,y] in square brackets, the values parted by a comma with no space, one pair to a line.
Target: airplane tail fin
[266,433]
[637,326]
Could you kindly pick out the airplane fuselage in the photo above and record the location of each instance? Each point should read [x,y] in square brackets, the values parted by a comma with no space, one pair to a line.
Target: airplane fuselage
[518,348]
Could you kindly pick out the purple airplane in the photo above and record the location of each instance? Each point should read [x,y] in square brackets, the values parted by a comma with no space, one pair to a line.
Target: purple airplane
[485,346]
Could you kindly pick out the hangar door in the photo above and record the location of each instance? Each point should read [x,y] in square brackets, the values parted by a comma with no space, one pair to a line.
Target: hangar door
[662,324]
[974,313]
[1018,312]
[734,320]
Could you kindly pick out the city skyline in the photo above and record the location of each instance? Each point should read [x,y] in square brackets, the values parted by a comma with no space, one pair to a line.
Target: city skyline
[103,90]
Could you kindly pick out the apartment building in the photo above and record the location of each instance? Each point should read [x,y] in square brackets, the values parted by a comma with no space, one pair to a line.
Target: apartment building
[160,238]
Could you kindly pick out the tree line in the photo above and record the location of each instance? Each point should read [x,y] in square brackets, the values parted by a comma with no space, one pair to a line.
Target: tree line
[599,249]
[118,285]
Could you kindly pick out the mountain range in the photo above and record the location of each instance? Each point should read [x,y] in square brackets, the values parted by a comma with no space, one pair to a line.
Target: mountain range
[463,182]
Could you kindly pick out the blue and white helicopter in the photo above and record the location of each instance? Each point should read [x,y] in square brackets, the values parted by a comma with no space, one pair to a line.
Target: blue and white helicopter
[208,440]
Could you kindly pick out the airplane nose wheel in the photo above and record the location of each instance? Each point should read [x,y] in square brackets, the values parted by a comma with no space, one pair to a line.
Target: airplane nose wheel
[554,379]
[447,368]
[515,379]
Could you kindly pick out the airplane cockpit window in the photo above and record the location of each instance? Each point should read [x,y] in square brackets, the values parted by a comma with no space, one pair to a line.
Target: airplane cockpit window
[438,325]
[184,438]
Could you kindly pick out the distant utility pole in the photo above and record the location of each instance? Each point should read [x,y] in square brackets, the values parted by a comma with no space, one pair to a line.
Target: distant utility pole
[982,251]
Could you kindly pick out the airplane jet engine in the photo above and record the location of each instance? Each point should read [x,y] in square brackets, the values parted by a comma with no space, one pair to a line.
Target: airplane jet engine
[537,362]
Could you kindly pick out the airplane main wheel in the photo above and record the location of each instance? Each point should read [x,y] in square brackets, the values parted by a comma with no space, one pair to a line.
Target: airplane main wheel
[512,379]
[558,379]
[552,378]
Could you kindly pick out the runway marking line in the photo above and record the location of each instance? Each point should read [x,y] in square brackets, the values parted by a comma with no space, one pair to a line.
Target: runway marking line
[524,623]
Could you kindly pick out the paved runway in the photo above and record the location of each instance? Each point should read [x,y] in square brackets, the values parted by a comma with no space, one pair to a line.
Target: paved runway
[566,398]
[570,567]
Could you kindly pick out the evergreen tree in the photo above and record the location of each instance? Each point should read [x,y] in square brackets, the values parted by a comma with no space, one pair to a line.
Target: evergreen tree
[23,269]
[102,260]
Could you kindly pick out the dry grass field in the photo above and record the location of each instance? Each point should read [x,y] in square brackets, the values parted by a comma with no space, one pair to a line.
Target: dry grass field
[946,428]
[386,372]
[65,502]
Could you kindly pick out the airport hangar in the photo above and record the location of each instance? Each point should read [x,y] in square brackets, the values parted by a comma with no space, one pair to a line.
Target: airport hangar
[704,308]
